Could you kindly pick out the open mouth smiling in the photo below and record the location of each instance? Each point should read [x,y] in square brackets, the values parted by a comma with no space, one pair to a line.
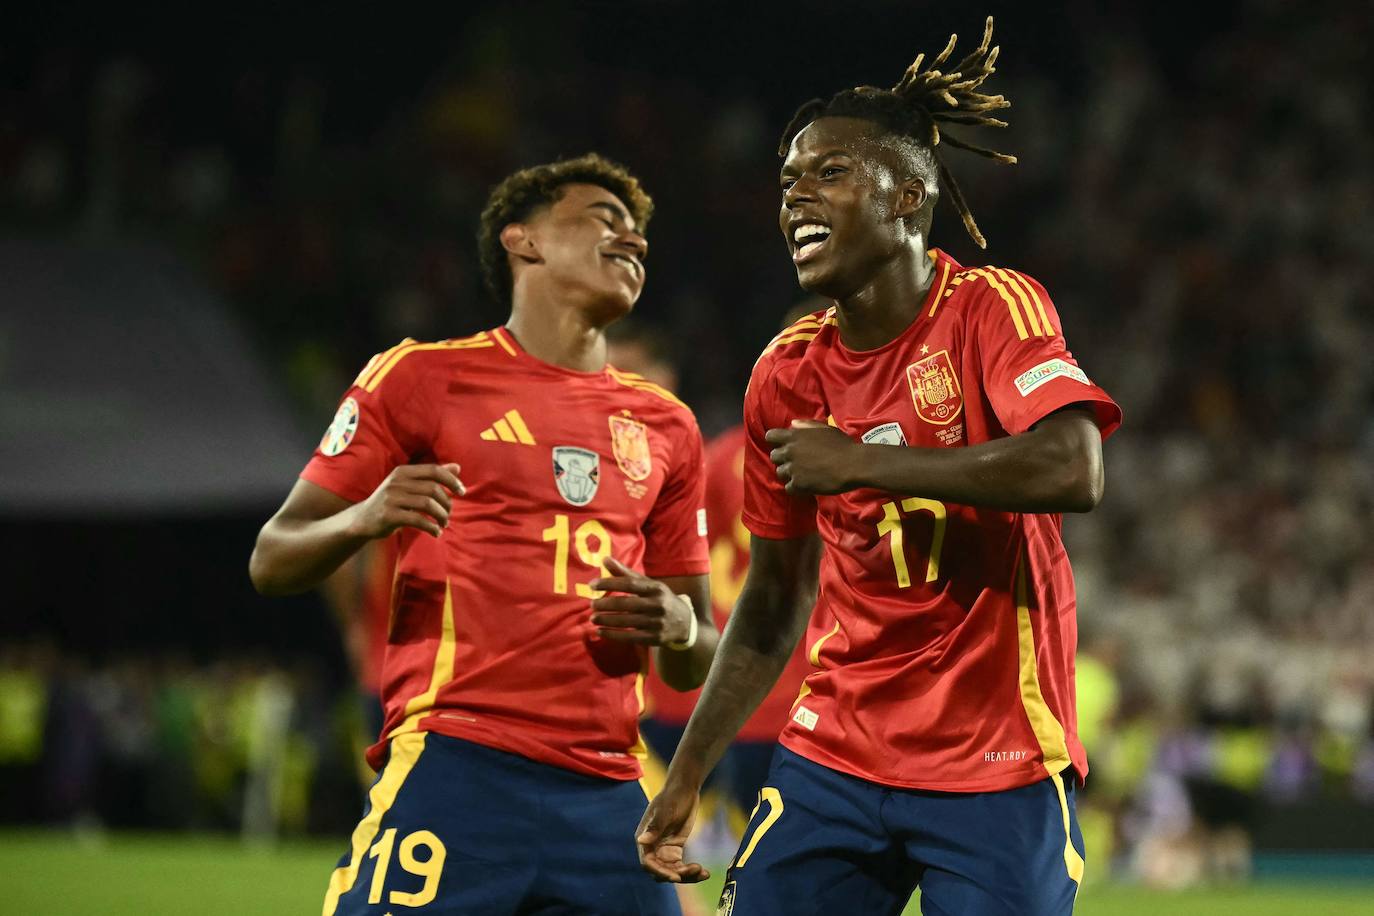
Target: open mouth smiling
[808,238]
[636,269]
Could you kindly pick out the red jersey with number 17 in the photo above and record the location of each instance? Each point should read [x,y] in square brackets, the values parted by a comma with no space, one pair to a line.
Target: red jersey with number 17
[490,638]
[944,634]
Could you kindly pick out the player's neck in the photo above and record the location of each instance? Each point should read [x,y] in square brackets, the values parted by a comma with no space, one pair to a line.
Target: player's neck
[878,312]
[561,337]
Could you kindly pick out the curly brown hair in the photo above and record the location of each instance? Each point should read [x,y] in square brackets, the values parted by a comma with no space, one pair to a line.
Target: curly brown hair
[522,193]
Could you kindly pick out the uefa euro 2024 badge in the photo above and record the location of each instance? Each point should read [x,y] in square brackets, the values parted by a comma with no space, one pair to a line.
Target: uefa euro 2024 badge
[577,472]
[342,430]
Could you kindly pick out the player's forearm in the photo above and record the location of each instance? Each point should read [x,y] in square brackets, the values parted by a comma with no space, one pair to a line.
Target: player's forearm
[686,669]
[1055,467]
[295,555]
[766,624]
[748,662]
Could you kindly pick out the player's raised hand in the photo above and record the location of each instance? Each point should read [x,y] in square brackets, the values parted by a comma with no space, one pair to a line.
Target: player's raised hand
[644,610]
[814,457]
[412,496]
[662,836]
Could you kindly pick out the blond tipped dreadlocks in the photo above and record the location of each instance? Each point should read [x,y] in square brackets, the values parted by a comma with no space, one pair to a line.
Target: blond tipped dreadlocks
[922,100]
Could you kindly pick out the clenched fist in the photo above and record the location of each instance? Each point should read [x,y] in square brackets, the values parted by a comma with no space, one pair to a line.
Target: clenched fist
[813,457]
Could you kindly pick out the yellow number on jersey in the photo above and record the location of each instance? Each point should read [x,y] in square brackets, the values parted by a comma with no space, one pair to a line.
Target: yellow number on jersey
[593,543]
[891,526]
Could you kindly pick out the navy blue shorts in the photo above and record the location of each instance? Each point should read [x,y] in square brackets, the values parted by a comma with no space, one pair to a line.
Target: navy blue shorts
[821,841]
[738,776]
[454,827]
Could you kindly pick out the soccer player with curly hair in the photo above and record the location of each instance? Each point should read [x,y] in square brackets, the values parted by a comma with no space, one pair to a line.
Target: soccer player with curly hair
[520,630]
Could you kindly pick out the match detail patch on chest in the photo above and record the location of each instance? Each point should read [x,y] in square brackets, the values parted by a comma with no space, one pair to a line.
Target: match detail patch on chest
[887,434]
[577,473]
[342,430]
[935,389]
[630,445]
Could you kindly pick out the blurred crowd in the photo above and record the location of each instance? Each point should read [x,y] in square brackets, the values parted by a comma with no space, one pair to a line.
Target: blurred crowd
[252,745]
[1203,215]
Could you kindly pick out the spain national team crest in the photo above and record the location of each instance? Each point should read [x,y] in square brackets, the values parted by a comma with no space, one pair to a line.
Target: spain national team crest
[341,432]
[577,472]
[935,389]
[630,445]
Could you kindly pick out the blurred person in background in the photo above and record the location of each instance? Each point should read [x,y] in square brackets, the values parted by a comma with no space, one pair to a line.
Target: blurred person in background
[635,347]
[742,771]
[509,752]
[929,750]
[739,776]
[360,595]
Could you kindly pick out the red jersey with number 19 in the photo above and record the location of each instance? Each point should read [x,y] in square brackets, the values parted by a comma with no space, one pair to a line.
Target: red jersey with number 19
[490,638]
[944,635]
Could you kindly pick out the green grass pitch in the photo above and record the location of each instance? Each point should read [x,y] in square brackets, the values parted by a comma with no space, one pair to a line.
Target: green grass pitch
[140,875]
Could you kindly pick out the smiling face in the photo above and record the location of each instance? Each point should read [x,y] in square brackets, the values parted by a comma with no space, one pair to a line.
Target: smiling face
[585,247]
[848,207]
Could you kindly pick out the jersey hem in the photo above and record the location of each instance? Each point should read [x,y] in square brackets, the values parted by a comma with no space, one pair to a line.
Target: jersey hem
[624,772]
[1002,784]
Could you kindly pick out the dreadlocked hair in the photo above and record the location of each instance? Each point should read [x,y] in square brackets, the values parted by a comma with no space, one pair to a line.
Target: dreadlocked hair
[915,108]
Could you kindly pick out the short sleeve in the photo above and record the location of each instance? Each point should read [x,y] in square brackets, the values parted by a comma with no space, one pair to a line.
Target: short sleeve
[1026,368]
[379,425]
[675,531]
[769,510]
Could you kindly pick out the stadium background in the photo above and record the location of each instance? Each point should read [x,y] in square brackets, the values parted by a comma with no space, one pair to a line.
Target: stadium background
[210,224]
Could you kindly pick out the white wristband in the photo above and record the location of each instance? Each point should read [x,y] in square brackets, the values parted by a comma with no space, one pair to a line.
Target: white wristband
[692,628]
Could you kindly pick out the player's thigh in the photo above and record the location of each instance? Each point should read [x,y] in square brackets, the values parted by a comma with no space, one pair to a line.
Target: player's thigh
[750,762]
[1012,853]
[588,860]
[815,844]
[439,835]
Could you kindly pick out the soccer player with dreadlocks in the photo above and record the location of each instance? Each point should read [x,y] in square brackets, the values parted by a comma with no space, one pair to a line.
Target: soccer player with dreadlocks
[913,447]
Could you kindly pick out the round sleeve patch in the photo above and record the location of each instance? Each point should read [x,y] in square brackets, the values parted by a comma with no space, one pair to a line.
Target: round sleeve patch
[342,430]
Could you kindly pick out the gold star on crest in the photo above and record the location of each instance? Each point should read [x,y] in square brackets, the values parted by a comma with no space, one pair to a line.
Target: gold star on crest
[925,348]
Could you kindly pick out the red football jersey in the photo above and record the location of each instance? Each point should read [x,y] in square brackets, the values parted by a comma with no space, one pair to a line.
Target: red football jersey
[491,639]
[944,634]
[729,566]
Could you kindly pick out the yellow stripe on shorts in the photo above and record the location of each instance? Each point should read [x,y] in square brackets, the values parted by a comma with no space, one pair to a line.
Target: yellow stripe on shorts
[1073,862]
[405,752]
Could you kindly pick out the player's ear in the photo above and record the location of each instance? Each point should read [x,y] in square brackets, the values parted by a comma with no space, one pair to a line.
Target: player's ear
[911,197]
[518,241]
